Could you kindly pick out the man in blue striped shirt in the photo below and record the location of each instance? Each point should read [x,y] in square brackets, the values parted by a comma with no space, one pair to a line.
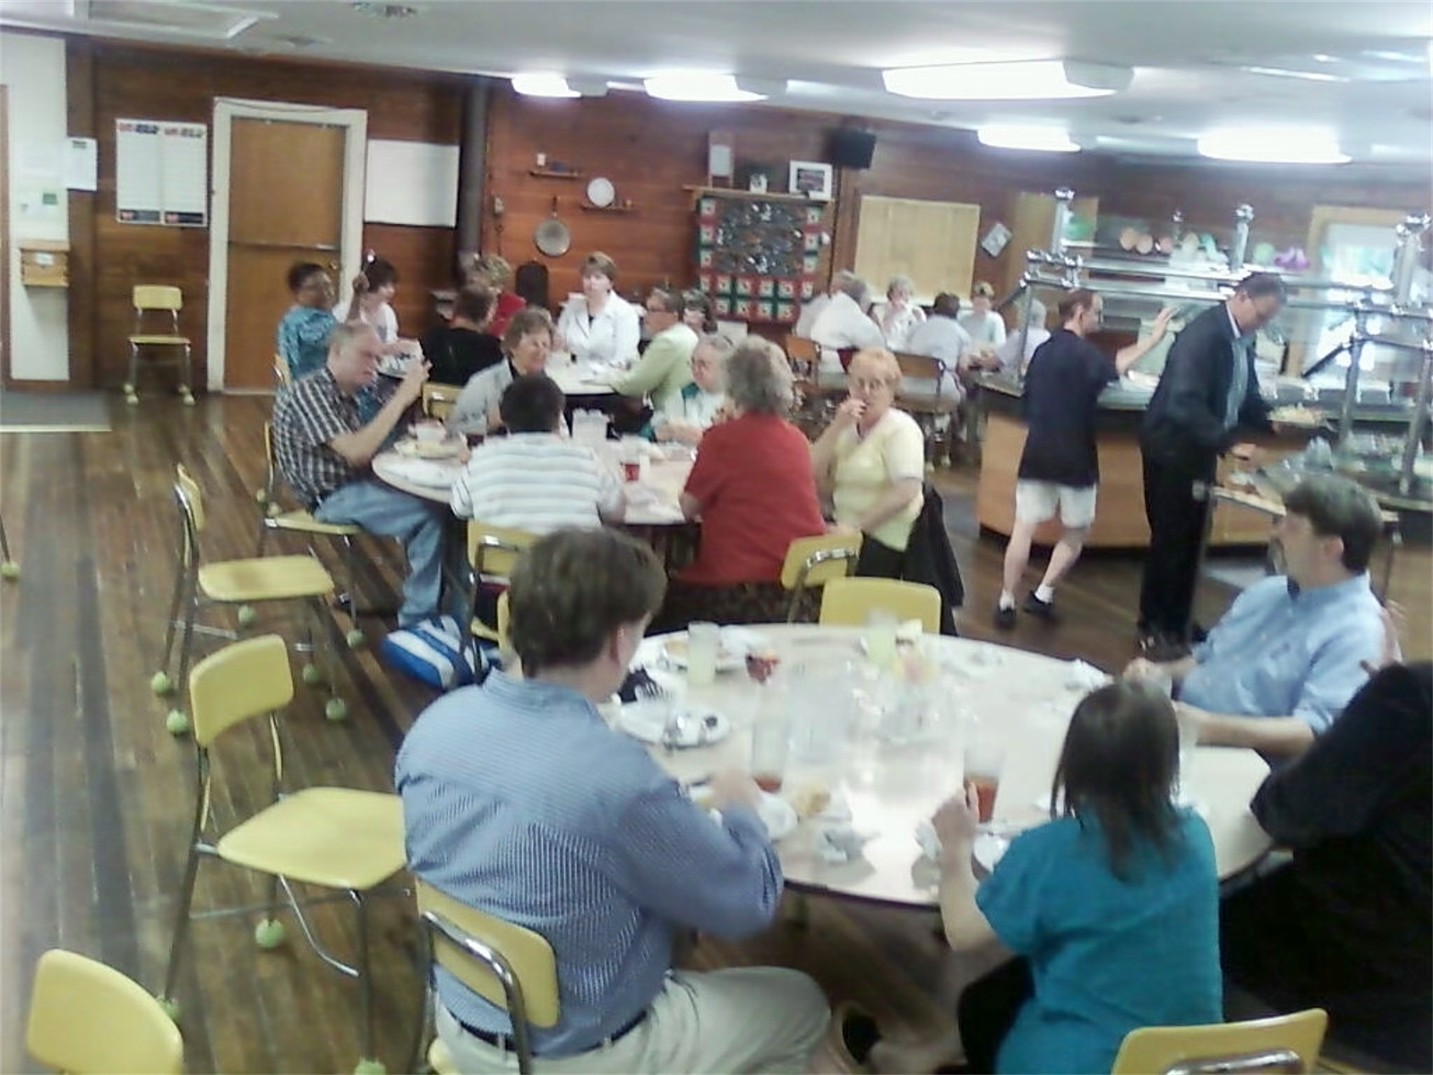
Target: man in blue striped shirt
[519,800]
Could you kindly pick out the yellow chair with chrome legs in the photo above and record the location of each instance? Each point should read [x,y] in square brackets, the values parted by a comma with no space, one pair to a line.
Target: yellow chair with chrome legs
[508,965]
[241,584]
[812,562]
[1284,1043]
[89,1019]
[148,300]
[849,602]
[492,551]
[345,840]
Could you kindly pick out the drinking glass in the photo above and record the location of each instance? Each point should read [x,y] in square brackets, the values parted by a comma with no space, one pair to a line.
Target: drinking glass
[703,642]
[881,638]
[984,761]
[770,744]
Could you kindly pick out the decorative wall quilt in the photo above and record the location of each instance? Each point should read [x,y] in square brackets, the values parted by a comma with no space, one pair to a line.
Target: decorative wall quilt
[757,258]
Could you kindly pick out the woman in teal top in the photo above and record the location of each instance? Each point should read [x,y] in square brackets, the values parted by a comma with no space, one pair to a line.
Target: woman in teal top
[1113,905]
[304,331]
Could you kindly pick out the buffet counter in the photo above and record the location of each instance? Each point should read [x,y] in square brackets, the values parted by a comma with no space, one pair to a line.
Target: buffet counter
[1119,522]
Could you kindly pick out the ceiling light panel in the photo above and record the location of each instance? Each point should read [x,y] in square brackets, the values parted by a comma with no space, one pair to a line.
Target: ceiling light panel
[1273,145]
[543,84]
[698,86]
[1024,80]
[1036,139]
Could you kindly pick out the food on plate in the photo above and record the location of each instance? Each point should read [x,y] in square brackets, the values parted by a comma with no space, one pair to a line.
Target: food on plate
[810,800]
[1296,415]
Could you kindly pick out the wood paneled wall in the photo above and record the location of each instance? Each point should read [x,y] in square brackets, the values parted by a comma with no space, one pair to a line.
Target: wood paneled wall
[651,149]
[126,81]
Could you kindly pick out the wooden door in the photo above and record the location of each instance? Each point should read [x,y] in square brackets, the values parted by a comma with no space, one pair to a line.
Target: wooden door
[285,205]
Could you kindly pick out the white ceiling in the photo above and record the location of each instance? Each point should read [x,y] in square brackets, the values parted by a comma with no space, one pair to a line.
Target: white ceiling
[1188,55]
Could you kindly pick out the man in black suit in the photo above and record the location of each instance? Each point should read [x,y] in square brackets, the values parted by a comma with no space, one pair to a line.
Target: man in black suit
[1207,394]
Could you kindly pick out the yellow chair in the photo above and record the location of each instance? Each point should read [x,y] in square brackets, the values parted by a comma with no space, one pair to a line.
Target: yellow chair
[508,965]
[299,521]
[1287,1043]
[850,602]
[340,839]
[148,300]
[811,562]
[492,551]
[88,1019]
[241,583]
[439,400]
[283,376]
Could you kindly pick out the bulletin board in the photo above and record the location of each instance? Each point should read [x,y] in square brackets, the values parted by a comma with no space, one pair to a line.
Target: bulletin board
[757,257]
[933,243]
[413,183]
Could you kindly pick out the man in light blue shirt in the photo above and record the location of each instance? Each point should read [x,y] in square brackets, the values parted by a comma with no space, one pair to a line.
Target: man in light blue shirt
[1288,655]
[519,800]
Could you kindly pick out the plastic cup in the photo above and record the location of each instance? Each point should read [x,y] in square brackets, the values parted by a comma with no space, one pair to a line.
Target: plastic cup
[881,639]
[703,641]
[984,761]
[770,744]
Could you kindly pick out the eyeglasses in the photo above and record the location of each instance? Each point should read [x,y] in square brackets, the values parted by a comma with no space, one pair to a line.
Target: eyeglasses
[863,385]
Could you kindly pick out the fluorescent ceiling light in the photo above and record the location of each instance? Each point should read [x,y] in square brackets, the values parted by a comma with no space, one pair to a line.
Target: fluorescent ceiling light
[1273,145]
[1012,81]
[1039,139]
[543,84]
[698,86]
[1287,72]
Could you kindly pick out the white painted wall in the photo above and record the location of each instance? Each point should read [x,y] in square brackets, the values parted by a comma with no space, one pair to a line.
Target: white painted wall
[33,68]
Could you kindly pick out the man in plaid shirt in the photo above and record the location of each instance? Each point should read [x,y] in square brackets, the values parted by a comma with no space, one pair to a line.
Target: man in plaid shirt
[324,450]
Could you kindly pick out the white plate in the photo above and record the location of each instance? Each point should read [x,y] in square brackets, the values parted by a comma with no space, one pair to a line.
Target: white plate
[426,472]
[429,449]
[989,849]
[600,192]
[700,727]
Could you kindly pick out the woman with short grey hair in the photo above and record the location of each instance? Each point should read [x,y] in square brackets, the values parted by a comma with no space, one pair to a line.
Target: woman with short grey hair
[699,404]
[753,490]
[899,315]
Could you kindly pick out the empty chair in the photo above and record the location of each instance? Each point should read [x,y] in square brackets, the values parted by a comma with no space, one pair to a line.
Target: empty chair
[342,839]
[1284,1043]
[850,602]
[812,562]
[929,395]
[508,965]
[239,583]
[89,1019]
[150,300]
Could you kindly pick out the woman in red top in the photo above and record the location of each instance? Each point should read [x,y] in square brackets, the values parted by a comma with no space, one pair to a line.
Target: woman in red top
[753,491]
[494,273]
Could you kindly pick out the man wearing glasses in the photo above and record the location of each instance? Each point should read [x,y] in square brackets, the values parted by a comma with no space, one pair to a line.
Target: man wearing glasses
[1059,469]
[1207,394]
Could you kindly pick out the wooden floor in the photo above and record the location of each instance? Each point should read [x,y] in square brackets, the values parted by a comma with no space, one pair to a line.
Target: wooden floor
[95,794]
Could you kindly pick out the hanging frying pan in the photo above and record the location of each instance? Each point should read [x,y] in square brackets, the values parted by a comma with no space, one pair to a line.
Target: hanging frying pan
[552,237]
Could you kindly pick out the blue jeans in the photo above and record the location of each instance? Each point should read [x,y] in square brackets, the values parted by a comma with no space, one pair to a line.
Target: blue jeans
[380,509]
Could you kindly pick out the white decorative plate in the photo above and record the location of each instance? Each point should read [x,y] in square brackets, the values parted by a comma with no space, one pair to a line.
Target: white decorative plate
[600,192]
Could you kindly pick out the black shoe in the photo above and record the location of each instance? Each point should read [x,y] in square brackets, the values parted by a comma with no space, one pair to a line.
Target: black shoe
[1045,610]
[859,1033]
[1005,618]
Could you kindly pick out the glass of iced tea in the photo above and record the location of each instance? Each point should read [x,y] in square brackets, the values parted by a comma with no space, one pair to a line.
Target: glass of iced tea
[770,743]
[984,760]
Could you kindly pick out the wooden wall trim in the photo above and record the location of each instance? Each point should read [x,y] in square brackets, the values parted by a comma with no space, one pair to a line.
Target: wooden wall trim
[82,307]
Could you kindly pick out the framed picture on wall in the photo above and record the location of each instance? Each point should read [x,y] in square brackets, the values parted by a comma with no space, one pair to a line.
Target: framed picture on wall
[810,178]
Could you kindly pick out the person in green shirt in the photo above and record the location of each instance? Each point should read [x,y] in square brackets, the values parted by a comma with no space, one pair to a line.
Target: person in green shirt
[665,367]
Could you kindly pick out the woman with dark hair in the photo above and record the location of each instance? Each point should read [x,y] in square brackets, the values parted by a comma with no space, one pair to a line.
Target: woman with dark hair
[302,338]
[492,271]
[466,345]
[699,312]
[1111,908]
[371,302]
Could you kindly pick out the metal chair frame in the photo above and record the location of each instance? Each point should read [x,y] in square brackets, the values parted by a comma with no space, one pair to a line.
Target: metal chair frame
[152,298]
[815,560]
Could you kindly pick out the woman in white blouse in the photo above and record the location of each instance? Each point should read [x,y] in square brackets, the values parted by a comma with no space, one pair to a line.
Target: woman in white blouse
[898,315]
[600,326]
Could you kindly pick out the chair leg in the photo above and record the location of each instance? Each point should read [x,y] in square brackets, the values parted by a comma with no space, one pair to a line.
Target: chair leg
[181,932]
[335,709]
[355,637]
[368,1063]
[184,389]
[178,720]
[131,393]
[263,537]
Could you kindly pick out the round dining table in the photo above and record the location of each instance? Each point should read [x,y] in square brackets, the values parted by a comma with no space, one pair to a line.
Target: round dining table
[580,378]
[884,785]
[651,502]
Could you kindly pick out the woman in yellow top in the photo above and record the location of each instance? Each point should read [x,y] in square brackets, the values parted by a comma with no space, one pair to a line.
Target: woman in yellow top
[870,461]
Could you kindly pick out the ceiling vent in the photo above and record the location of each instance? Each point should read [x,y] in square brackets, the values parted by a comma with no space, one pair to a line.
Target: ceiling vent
[208,22]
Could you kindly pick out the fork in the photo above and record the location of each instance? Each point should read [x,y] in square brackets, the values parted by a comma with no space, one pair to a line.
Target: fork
[672,723]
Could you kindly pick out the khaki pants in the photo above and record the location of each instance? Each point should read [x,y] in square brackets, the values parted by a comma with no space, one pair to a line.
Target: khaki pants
[756,1019]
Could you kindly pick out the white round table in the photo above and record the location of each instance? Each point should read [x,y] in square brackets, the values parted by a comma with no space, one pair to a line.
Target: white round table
[654,499]
[1022,699]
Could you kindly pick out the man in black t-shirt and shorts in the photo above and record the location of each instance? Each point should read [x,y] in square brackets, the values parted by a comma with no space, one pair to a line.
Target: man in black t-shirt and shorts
[1059,469]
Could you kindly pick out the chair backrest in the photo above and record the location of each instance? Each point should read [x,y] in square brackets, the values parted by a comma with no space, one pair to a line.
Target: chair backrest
[439,400]
[283,376]
[802,353]
[921,368]
[190,497]
[246,679]
[527,955]
[850,602]
[157,297]
[88,1018]
[531,283]
[504,618]
[492,550]
[1287,1043]
[815,561]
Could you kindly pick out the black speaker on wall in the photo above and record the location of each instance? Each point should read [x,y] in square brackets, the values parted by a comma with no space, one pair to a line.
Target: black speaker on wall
[852,148]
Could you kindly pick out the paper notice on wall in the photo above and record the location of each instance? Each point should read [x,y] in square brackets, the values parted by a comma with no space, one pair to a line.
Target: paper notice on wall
[39,202]
[81,164]
[161,173]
